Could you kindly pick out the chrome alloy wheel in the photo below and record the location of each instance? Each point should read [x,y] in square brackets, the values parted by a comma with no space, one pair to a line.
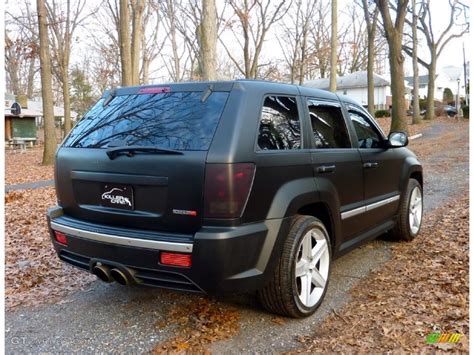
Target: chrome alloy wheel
[312,267]
[415,210]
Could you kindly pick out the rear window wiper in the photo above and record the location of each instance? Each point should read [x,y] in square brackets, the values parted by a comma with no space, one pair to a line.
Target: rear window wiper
[112,153]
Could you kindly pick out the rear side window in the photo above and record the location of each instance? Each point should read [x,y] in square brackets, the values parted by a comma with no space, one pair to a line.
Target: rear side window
[367,136]
[279,124]
[178,120]
[329,128]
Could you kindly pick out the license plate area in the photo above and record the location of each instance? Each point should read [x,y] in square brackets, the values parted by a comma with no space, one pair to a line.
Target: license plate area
[117,196]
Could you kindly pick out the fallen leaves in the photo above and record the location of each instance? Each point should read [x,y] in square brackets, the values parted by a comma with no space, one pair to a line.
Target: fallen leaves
[33,272]
[423,288]
[25,166]
[198,324]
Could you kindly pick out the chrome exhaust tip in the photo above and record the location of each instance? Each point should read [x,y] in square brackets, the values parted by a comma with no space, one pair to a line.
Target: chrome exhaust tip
[102,272]
[119,276]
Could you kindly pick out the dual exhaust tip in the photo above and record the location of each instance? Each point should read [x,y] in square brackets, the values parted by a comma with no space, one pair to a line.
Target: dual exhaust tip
[108,274]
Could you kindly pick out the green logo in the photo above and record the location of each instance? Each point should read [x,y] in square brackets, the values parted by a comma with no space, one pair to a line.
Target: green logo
[436,338]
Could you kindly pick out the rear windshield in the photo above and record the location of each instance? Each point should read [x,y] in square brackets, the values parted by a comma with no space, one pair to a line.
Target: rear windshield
[178,120]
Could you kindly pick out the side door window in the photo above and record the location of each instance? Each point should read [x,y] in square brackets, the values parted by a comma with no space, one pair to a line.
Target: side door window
[367,135]
[329,128]
[280,127]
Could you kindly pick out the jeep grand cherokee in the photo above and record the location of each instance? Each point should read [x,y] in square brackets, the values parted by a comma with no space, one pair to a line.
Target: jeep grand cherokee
[230,186]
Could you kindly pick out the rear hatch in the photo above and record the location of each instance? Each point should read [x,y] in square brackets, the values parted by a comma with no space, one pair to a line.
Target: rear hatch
[137,158]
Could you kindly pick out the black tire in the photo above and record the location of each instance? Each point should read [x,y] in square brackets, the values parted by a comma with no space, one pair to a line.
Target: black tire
[280,294]
[402,230]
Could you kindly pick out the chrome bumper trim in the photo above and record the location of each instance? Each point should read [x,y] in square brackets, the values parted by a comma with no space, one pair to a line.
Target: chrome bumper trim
[131,242]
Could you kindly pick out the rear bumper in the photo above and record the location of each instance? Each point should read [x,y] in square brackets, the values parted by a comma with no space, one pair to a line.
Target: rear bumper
[224,259]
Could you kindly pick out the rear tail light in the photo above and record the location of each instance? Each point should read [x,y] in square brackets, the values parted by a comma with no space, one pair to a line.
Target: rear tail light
[227,189]
[175,259]
[60,237]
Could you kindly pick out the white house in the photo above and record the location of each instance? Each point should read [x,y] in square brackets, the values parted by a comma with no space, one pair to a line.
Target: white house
[354,85]
[447,78]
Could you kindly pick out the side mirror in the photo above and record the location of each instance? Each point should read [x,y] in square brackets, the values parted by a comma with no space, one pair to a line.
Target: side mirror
[397,139]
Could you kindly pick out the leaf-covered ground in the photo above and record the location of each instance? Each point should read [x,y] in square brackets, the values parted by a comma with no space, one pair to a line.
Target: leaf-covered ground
[25,166]
[33,272]
[422,289]
[198,324]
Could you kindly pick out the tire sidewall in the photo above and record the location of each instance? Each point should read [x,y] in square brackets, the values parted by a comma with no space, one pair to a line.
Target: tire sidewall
[311,223]
[411,187]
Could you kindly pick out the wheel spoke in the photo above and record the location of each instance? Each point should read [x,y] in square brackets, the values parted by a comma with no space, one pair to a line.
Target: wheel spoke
[305,288]
[416,222]
[307,246]
[300,268]
[417,202]
[317,279]
[318,251]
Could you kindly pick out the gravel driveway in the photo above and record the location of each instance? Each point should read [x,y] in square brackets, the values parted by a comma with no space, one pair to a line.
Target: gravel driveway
[112,318]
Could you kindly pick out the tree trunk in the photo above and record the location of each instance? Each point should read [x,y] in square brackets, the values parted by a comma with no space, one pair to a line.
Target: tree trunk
[333,74]
[145,71]
[124,38]
[430,109]
[304,45]
[67,102]
[137,8]
[46,86]
[397,84]
[416,81]
[208,40]
[31,79]
[370,71]
[174,44]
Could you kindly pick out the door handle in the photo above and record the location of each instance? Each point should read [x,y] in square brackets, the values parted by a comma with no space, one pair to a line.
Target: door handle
[370,165]
[323,169]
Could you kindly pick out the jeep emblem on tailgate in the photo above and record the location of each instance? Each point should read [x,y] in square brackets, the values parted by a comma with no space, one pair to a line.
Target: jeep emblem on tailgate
[115,198]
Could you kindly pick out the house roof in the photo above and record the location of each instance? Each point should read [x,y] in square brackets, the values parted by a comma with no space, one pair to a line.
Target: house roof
[423,80]
[35,108]
[353,80]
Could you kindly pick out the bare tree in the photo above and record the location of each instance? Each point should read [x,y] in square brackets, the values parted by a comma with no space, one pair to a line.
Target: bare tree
[370,16]
[105,59]
[394,35]
[416,100]
[46,86]
[255,17]
[333,68]
[174,63]
[294,39]
[151,43]
[21,51]
[64,19]
[124,40]
[319,55]
[458,20]
[208,39]
[138,7]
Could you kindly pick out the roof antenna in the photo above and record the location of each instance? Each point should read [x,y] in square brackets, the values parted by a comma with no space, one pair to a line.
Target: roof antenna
[207,93]
[110,97]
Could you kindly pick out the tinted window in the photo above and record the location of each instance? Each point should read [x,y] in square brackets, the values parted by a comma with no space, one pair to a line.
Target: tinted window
[329,129]
[279,124]
[178,120]
[367,136]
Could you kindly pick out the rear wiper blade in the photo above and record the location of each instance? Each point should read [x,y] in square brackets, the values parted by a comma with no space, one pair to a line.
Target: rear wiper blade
[112,153]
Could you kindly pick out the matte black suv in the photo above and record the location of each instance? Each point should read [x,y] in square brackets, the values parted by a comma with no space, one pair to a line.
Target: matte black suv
[230,186]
